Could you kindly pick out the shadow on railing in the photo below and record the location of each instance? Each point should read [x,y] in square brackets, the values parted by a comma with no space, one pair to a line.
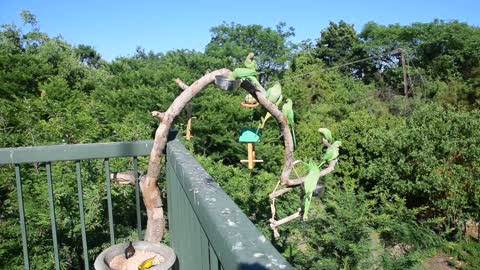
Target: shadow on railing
[207,229]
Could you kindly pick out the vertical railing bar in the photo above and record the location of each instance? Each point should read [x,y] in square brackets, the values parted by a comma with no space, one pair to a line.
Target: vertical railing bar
[82,214]
[51,203]
[21,209]
[109,201]
[137,197]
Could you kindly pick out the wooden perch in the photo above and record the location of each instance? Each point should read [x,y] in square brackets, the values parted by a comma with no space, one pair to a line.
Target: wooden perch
[188,132]
[181,84]
[160,115]
[280,192]
[151,194]
[125,178]
[276,223]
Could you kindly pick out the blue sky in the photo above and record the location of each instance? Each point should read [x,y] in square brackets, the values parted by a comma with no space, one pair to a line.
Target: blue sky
[116,28]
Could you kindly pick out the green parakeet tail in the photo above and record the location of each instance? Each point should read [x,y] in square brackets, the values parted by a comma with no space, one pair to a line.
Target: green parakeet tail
[294,138]
[310,184]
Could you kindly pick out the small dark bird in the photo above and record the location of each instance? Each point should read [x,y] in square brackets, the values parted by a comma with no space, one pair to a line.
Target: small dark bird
[129,251]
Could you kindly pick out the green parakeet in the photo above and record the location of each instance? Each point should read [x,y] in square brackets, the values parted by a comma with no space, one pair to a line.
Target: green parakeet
[274,93]
[241,73]
[287,110]
[327,134]
[249,62]
[246,73]
[310,184]
[332,152]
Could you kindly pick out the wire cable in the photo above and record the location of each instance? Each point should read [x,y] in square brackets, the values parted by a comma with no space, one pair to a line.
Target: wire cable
[338,66]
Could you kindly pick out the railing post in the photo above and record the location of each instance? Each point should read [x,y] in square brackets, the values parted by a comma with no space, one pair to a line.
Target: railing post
[137,197]
[51,203]
[109,201]
[21,210]
[82,214]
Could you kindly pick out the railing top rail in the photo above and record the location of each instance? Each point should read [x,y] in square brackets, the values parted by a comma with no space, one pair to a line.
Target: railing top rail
[65,152]
[238,243]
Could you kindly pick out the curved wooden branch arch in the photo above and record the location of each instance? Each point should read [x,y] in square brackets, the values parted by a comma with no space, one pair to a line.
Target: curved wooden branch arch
[151,194]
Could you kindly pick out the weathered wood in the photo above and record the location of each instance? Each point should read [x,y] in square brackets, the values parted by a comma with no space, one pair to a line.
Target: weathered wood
[188,131]
[250,156]
[151,194]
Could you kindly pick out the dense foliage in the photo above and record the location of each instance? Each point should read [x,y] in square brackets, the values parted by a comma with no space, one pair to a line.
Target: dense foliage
[408,175]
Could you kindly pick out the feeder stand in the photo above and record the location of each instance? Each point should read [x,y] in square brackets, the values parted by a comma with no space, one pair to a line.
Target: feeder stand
[250,136]
[188,134]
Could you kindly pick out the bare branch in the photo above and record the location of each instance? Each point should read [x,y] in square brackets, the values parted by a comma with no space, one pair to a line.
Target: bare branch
[295,182]
[151,194]
[124,178]
[329,169]
[280,192]
[181,84]
[158,114]
[325,142]
[277,223]
[301,180]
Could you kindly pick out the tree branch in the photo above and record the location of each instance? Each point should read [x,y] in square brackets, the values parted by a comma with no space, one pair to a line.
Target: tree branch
[280,192]
[151,194]
[301,180]
[158,114]
[125,178]
[276,223]
[181,84]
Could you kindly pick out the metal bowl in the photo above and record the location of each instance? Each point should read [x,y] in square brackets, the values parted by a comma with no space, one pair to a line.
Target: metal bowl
[224,83]
[103,259]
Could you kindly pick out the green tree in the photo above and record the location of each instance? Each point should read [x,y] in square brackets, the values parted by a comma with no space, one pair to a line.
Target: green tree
[88,55]
[271,47]
[440,50]
[339,44]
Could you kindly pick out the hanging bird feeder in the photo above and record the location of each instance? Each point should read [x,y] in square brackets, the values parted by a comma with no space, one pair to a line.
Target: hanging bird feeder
[250,136]
[250,102]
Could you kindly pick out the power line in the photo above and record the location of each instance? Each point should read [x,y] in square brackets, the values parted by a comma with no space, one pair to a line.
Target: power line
[339,66]
[424,84]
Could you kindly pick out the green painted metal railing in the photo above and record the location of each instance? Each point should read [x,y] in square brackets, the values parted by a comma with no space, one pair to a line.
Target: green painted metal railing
[208,230]
[78,152]
[220,235]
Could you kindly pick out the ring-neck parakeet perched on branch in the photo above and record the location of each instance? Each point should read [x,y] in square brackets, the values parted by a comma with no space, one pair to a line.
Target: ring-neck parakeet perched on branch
[246,73]
[274,93]
[287,110]
[331,153]
[310,185]
[327,134]
[249,62]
